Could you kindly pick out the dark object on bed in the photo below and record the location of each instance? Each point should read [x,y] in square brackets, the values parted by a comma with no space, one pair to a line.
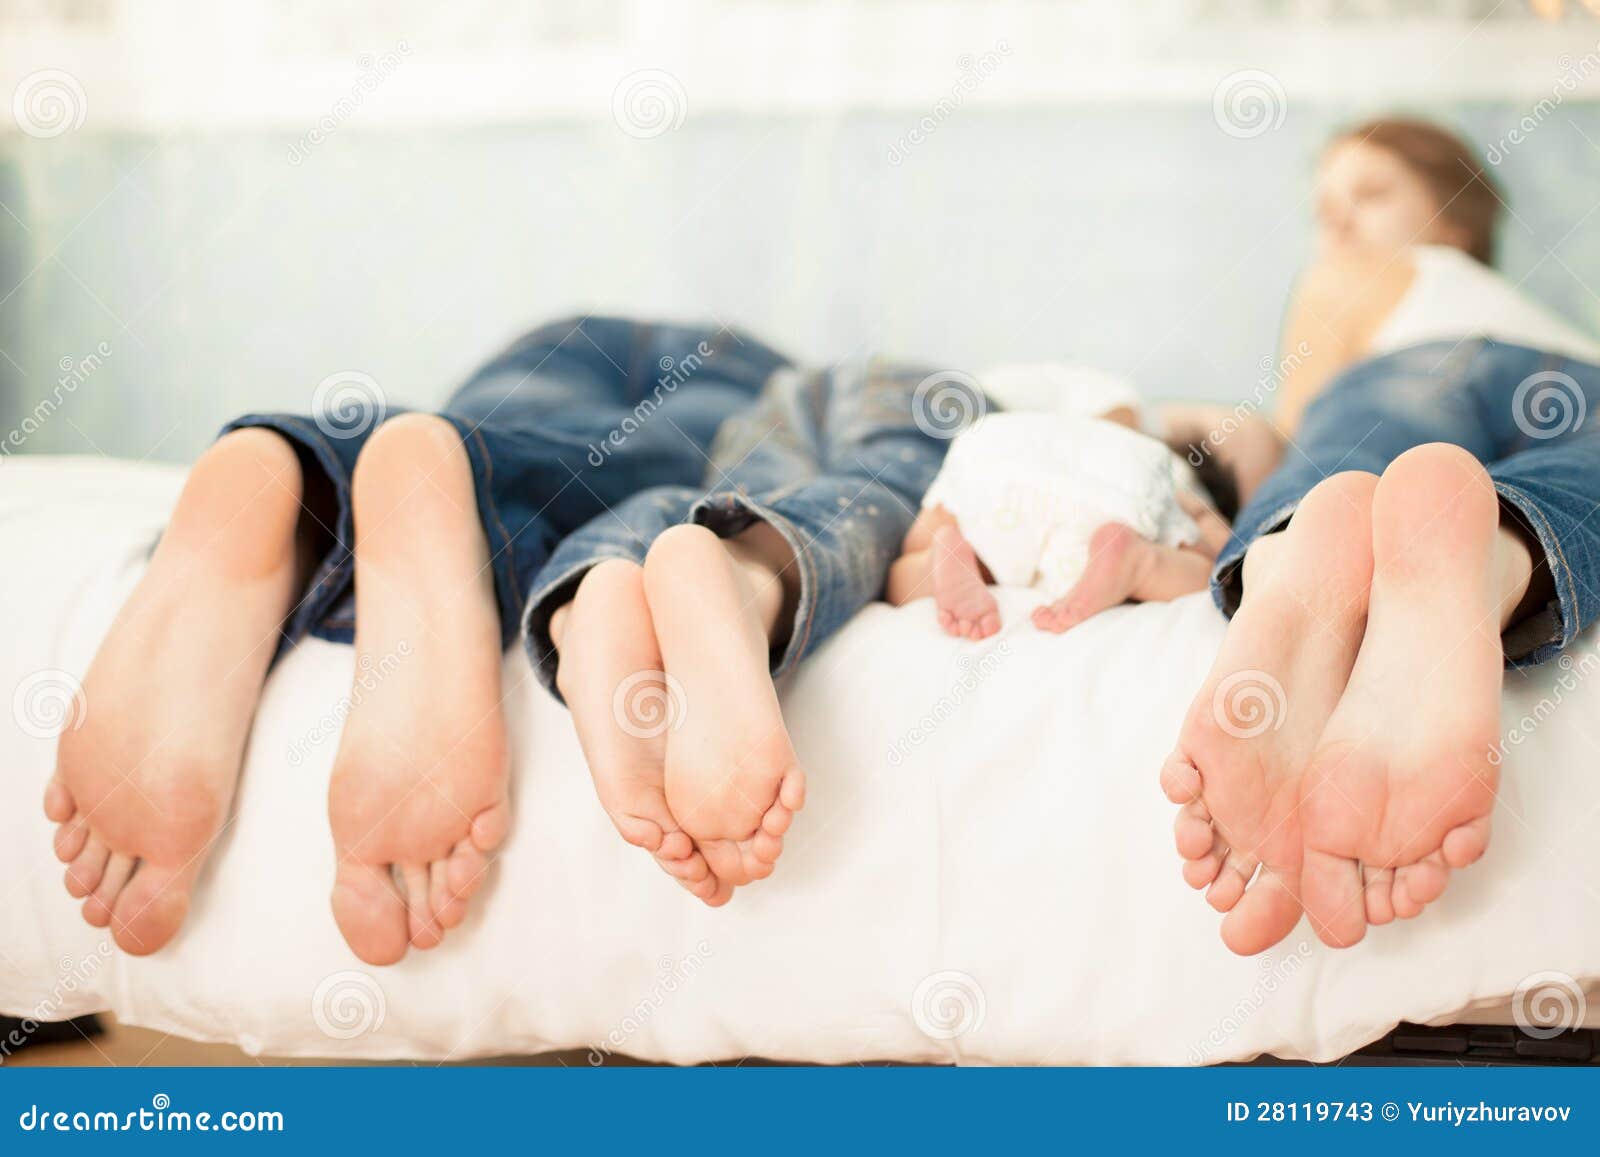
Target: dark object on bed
[1216,478]
[19,1034]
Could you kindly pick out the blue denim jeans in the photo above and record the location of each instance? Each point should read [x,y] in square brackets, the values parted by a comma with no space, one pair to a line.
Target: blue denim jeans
[588,437]
[1532,419]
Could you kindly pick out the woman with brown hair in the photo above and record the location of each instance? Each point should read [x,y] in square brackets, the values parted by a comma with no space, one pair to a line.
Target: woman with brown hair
[1429,526]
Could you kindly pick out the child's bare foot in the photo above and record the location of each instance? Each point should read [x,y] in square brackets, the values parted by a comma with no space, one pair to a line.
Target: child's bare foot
[967,606]
[1252,729]
[733,780]
[419,782]
[147,765]
[1117,556]
[623,705]
[1402,778]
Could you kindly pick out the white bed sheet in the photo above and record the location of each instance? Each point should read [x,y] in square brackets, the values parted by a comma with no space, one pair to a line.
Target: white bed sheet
[984,871]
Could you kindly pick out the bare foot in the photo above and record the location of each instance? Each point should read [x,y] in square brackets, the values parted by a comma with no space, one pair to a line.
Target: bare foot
[418,795]
[1116,557]
[624,705]
[733,780]
[1401,785]
[967,606]
[1252,729]
[147,765]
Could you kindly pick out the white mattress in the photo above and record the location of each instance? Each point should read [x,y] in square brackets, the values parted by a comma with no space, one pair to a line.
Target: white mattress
[984,871]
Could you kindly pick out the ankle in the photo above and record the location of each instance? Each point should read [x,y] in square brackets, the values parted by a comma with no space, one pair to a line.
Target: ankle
[767,567]
[1522,585]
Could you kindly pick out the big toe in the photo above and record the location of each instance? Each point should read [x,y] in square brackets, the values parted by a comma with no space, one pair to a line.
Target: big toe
[151,908]
[370,912]
[1335,898]
[1267,912]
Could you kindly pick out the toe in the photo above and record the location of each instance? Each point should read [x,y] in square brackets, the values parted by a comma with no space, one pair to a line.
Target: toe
[466,869]
[948,623]
[151,908]
[422,928]
[1199,873]
[370,912]
[675,846]
[792,792]
[97,908]
[1180,779]
[988,625]
[1266,914]
[1193,832]
[448,910]
[489,827]
[58,803]
[1463,845]
[83,874]
[70,839]
[1420,884]
[640,832]
[1334,898]
[1230,883]
[1379,895]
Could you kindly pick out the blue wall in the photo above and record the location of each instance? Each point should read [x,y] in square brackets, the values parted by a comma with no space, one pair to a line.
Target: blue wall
[224,278]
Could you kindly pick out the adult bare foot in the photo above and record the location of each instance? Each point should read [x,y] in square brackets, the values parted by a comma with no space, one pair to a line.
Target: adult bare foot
[146,768]
[418,795]
[1401,785]
[1117,556]
[966,605]
[623,705]
[1253,727]
[733,780]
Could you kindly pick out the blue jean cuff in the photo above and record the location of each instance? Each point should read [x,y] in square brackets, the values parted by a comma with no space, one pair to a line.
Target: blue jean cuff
[1551,629]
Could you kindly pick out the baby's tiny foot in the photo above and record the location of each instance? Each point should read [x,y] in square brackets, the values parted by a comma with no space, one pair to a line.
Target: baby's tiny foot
[1116,553]
[967,608]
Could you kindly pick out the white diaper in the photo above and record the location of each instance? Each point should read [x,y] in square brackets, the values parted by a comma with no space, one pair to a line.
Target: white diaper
[1029,489]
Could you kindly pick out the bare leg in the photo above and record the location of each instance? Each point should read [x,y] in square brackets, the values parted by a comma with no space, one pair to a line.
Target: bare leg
[1123,567]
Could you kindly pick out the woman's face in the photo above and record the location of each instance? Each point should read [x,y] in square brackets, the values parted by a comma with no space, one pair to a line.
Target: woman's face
[1369,200]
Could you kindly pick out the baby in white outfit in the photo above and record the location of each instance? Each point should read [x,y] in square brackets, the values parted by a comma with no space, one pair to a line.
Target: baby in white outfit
[1061,493]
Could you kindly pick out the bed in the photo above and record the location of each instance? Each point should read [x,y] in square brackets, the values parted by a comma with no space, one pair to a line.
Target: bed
[984,872]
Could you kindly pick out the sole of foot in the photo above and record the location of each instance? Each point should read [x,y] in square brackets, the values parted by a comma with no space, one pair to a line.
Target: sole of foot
[966,606]
[1400,789]
[623,706]
[418,797]
[1253,727]
[146,768]
[732,777]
